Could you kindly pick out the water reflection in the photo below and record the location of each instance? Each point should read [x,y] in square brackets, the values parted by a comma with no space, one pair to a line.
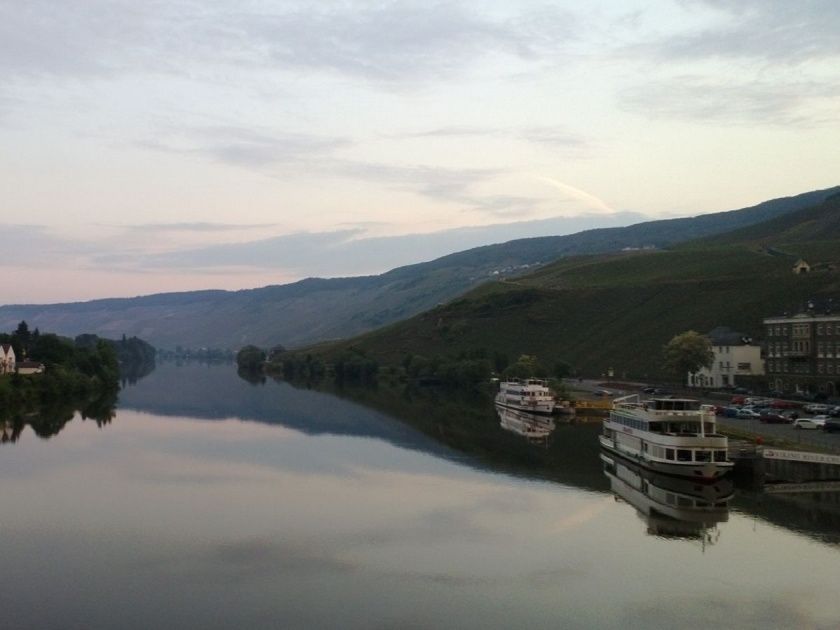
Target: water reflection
[671,507]
[536,429]
[213,503]
[52,417]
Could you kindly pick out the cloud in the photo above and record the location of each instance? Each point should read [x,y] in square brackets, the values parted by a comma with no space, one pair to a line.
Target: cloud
[199,227]
[97,38]
[254,148]
[743,62]
[715,101]
[348,251]
[451,131]
[392,42]
[39,246]
[776,31]
[279,153]
[396,42]
[554,137]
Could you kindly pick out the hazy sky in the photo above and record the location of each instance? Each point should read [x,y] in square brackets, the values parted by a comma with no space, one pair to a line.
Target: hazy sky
[146,144]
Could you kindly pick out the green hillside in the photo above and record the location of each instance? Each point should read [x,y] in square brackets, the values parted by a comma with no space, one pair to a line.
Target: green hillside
[597,312]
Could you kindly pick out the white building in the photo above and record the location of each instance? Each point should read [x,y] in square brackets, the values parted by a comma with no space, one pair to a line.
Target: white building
[30,367]
[7,359]
[734,356]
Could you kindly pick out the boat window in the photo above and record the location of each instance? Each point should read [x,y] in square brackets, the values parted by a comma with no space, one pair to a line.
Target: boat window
[683,455]
[720,456]
[702,456]
[685,502]
[669,453]
[656,427]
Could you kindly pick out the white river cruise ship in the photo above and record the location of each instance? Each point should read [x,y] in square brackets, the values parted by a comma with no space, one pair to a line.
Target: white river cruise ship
[675,436]
[531,395]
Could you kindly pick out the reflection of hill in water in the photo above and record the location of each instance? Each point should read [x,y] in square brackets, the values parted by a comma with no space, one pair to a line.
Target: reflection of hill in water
[214,392]
[444,425]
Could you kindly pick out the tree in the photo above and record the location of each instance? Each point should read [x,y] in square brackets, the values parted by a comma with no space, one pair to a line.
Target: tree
[526,366]
[250,358]
[687,353]
[23,335]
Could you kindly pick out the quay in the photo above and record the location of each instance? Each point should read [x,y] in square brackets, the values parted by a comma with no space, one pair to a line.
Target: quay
[785,470]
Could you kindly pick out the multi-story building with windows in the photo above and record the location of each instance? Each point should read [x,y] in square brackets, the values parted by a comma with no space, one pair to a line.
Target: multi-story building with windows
[735,355]
[803,352]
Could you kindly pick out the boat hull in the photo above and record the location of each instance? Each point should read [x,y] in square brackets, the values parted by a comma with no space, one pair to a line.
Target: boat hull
[707,472]
[540,409]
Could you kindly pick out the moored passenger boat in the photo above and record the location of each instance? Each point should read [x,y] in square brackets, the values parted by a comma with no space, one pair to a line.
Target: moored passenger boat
[674,436]
[531,395]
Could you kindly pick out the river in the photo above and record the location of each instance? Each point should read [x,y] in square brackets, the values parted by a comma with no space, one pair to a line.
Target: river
[211,502]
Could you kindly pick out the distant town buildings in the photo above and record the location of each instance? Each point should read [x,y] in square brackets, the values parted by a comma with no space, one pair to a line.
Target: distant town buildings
[30,367]
[800,267]
[7,358]
[735,355]
[803,352]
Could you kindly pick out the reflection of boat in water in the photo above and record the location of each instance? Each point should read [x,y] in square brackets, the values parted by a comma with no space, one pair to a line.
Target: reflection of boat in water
[667,435]
[533,427]
[531,395]
[671,506]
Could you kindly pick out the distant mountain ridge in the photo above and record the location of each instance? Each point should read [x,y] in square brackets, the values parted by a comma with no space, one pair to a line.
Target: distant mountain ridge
[317,309]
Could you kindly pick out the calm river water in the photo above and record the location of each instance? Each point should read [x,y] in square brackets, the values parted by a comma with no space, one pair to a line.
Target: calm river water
[209,502]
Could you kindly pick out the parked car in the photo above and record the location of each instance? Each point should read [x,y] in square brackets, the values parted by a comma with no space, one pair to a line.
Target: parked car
[649,390]
[835,413]
[748,414]
[759,401]
[816,408]
[784,404]
[731,412]
[741,390]
[806,423]
[821,419]
[603,393]
[774,418]
[832,425]
[737,400]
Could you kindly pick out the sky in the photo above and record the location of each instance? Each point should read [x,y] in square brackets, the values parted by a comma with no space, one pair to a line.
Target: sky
[182,144]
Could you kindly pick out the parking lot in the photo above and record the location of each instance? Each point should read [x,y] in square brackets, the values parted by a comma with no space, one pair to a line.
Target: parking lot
[814,437]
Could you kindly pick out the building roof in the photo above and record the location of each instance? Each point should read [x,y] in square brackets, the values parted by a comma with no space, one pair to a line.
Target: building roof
[6,347]
[725,336]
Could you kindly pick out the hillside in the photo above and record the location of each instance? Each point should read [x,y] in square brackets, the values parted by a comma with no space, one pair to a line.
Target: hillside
[618,310]
[315,309]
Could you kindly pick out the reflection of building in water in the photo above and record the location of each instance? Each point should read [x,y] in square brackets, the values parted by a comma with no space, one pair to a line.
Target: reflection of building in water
[672,507]
[533,427]
[8,431]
